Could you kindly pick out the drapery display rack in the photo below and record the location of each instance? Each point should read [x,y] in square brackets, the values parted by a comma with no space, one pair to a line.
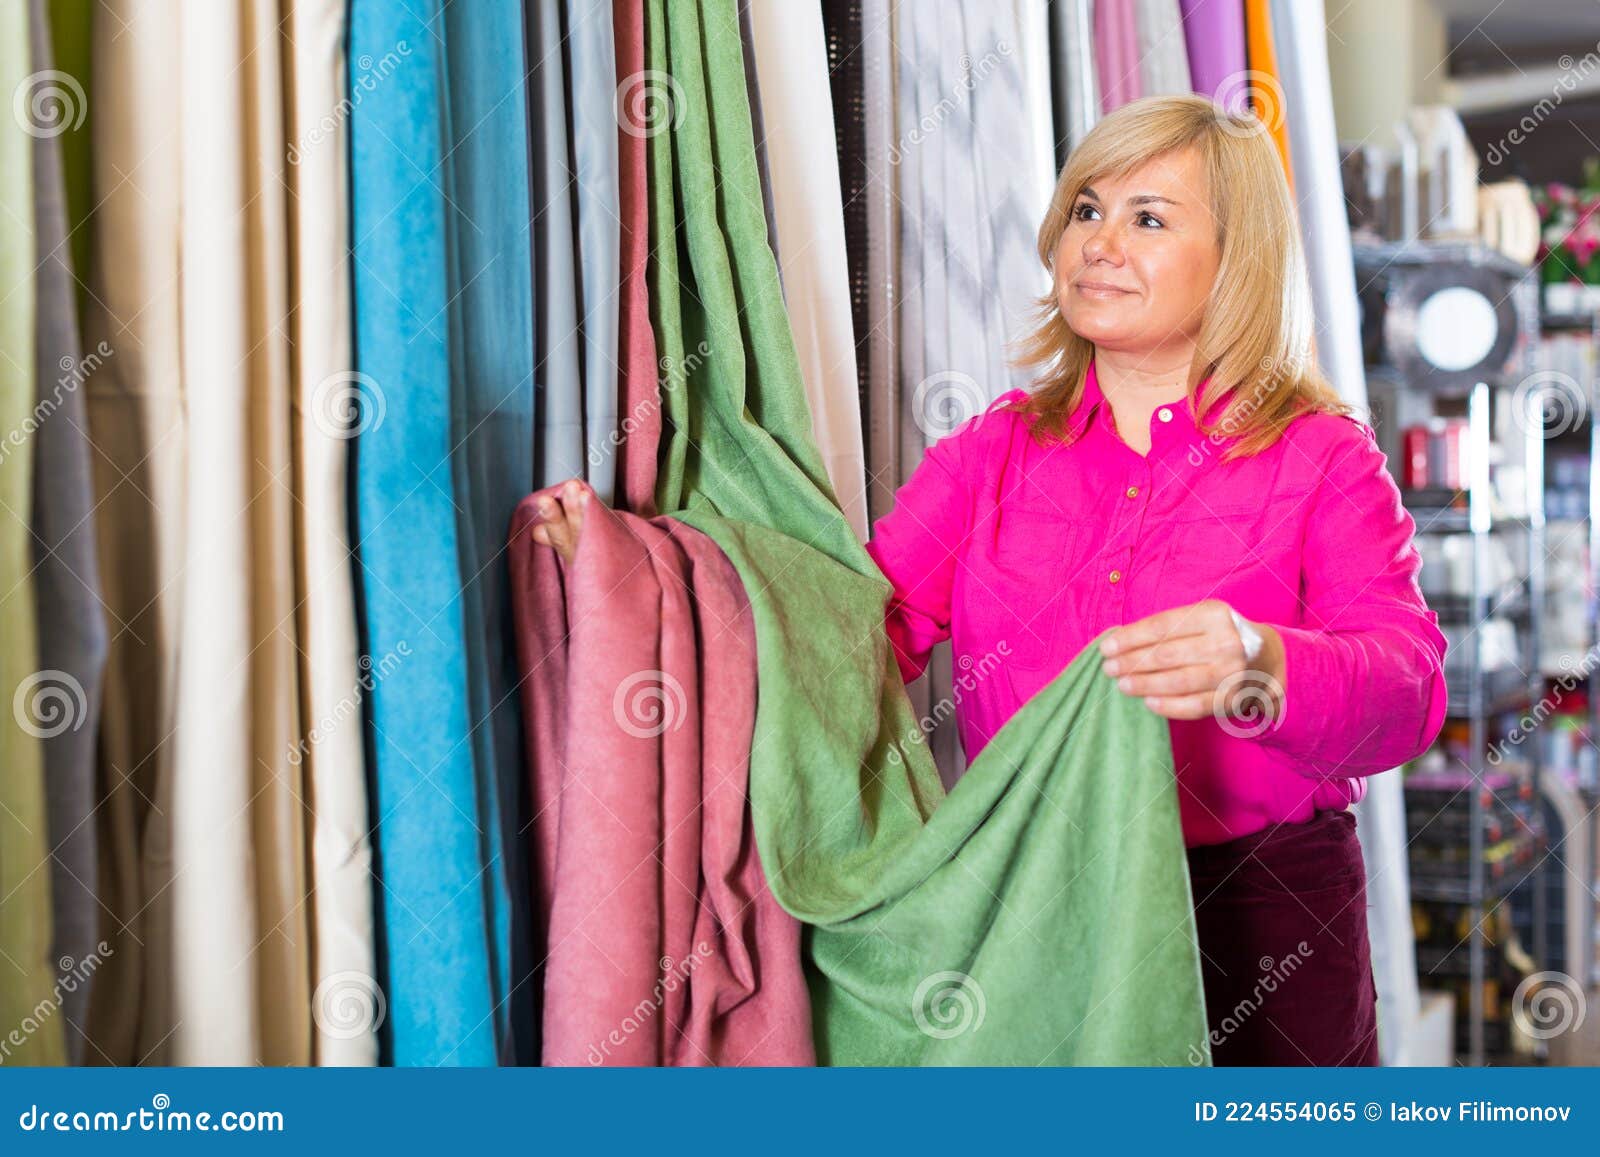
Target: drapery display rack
[1579,805]
[1475,831]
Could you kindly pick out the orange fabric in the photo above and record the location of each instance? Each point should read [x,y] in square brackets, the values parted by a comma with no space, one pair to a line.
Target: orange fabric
[1266,93]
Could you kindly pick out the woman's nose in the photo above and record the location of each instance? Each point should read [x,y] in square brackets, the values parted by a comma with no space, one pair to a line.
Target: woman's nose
[1103,244]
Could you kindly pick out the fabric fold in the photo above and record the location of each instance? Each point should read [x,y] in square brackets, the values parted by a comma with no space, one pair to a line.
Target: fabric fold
[661,941]
[345,1008]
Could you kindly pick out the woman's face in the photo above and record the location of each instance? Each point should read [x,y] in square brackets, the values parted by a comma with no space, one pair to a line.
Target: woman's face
[1135,264]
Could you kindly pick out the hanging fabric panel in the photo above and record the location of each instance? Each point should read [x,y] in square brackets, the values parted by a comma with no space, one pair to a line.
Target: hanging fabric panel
[639,428]
[345,1000]
[1213,33]
[490,314]
[1116,40]
[567,420]
[72,627]
[591,49]
[1266,88]
[138,424]
[791,61]
[434,901]
[1163,54]
[663,945]
[240,936]
[1076,80]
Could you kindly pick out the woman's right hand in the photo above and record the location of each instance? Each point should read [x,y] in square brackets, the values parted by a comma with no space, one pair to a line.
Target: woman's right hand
[562,519]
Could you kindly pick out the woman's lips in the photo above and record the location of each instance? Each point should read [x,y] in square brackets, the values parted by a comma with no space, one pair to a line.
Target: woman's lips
[1097,289]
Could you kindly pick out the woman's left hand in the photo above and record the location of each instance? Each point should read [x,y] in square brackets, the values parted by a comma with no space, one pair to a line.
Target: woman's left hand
[1189,662]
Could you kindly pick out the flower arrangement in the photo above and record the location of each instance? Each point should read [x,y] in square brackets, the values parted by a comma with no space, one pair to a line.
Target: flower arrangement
[1569,230]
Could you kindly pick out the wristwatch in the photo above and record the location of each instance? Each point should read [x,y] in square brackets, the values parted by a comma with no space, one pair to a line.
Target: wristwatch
[1248,635]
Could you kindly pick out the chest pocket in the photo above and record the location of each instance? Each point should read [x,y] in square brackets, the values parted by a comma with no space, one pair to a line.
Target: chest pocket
[1230,553]
[1013,585]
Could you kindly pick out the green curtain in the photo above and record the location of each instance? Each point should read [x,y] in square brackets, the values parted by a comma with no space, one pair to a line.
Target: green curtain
[1039,914]
[32,702]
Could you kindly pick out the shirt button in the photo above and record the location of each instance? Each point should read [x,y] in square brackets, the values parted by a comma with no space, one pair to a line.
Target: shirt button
[1164,414]
[1116,576]
[1133,492]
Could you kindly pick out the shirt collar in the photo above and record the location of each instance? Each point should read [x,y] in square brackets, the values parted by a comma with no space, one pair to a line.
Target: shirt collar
[1092,398]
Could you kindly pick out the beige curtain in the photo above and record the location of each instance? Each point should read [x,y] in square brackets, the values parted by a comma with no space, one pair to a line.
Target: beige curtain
[240,922]
[137,427]
[344,1002]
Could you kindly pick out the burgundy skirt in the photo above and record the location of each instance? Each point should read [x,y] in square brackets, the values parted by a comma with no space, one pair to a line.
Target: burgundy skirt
[1282,921]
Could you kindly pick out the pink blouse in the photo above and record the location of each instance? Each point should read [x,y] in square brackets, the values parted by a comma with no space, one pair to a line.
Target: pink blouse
[1022,555]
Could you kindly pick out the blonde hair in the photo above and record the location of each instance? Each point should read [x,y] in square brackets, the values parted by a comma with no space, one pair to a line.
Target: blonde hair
[1257,330]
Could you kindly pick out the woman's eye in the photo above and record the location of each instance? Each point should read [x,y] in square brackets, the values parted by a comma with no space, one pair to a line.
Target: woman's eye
[1143,217]
[1079,212]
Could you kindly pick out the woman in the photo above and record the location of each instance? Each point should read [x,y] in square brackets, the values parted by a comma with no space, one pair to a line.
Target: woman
[1185,486]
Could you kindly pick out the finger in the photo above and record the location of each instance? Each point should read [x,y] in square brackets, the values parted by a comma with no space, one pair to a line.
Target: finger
[1180,706]
[1198,679]
[1173,623]
[1167,654]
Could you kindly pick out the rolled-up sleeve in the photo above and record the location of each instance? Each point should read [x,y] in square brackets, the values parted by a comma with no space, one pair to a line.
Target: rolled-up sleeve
[1364,686]
[917,546]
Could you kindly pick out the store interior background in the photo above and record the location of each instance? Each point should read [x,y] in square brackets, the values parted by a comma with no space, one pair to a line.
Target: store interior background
[1491,433]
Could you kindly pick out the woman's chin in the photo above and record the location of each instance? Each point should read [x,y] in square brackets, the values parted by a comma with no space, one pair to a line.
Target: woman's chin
[1103,327]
